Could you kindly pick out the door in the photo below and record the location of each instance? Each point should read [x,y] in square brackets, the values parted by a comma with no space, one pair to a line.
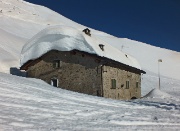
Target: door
[54,82]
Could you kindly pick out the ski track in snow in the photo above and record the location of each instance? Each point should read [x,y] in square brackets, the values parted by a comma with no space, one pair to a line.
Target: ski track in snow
[27,104]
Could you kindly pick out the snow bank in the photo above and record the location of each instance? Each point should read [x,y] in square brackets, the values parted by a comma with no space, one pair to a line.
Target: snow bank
[29,104]
[65,38]
[156,93]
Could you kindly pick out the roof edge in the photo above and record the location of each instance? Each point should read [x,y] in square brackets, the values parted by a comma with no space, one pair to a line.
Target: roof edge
[33,62]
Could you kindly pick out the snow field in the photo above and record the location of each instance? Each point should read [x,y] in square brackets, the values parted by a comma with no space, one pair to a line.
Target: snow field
[23,29]
[30,104]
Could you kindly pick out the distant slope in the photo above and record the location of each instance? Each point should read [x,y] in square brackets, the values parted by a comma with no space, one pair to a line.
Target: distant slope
[20,20]
[148,56]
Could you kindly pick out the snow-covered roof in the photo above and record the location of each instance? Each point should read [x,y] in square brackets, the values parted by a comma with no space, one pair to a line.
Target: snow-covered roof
[65,38]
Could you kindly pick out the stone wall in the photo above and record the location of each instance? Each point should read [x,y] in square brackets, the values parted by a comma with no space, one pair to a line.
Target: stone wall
[89,74]
[77,72]
[121,76]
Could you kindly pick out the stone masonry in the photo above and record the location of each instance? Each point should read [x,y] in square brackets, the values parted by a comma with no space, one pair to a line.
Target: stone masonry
[86,73]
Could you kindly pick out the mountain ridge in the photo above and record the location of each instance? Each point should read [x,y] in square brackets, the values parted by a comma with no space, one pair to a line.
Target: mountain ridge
[41,17]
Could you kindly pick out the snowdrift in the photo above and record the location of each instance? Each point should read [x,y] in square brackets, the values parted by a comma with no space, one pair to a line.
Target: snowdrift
[64,38]
[156,93]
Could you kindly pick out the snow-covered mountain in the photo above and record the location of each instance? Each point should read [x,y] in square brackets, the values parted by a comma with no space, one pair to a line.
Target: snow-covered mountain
[20,21]
[31,104]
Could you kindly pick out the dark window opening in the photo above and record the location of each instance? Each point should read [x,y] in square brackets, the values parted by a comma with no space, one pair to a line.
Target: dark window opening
[54,82]
[98,93]
[137,84]
[127,84]
[122,85]
[113,84]
[133,98]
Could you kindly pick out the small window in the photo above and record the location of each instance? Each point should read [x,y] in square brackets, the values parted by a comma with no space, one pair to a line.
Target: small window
[54,82]
[113,84]
[137,84]
[56,64]
[127,84]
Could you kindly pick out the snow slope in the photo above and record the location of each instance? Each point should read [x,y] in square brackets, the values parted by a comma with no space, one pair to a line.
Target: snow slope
[148,56]
[20,20]
[30,104]
[157,93]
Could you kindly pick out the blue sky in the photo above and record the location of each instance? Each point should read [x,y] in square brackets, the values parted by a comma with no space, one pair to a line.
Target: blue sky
[156,22]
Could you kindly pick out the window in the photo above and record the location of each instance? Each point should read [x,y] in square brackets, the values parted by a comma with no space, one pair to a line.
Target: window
[127,84]
[56,64]
[54,82]
[113,84]
[137,84]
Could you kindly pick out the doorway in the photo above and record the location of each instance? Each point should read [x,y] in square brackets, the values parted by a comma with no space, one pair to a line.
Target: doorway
[54,82]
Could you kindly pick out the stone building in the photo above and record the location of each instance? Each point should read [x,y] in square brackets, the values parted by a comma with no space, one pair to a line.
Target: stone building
[87,72]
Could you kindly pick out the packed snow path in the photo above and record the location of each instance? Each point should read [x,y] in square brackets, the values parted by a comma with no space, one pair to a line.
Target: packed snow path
[31,104]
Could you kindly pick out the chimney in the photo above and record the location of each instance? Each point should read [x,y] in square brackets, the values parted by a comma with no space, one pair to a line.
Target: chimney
[87,31]
[101,46]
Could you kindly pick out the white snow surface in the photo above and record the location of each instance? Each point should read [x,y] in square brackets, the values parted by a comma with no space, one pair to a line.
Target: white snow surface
[31,104]
[158,94]
[65,38]
[20,21]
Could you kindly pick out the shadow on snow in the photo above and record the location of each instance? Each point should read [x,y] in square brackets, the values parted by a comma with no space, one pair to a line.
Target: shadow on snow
[162,105]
